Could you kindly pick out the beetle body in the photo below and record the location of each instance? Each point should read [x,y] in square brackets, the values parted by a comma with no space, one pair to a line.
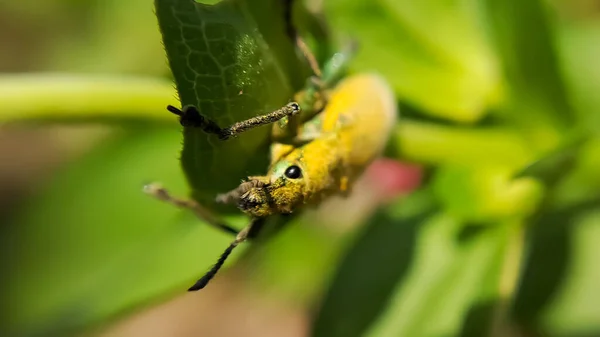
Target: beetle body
[325,155]
[346,136]
[321,143]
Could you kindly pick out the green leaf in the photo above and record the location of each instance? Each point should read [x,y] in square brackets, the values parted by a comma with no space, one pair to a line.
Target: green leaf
[525,42]
[485,194]
[410,274]
[232,60]
[580,53]
[450,282]
[369,272]
[558,287]
[432,52]
[92,244]
[583,182]
[574,311]
[555,165]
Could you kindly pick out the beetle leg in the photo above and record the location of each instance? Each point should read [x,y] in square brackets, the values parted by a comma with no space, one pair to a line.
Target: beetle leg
[309,56]
[314,97]
[189,116]
[160,193]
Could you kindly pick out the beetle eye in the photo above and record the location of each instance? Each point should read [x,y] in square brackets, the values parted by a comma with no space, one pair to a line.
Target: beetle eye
[293,172]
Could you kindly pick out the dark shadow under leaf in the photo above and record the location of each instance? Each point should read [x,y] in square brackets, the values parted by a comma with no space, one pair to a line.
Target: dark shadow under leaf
[369,274]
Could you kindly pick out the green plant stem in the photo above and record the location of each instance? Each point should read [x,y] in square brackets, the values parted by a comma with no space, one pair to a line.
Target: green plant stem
[81,98]
[86,98]
[438,144]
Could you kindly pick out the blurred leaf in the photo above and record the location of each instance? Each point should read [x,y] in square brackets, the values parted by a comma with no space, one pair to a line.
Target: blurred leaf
[584,182]
[580,52]
[87,99]
[92,244]
[408,275]
[232,60]
[448,283]
[368,274]
[294,266]
[114,36]
[575,309]
[558,289]
[432,52]
[437,144]
[555,165]
[526,45]
[484,194]
[570,172]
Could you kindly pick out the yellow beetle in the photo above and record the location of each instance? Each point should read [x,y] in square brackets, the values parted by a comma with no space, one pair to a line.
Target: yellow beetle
[347,135]
[320,147]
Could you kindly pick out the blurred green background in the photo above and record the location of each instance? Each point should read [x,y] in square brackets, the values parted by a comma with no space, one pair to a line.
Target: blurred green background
[500,118]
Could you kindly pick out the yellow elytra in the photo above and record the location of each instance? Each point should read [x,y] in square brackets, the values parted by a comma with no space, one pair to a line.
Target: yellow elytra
[347,135]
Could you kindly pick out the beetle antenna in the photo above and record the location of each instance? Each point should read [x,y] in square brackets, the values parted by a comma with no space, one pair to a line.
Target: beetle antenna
[241,237]
[203,281]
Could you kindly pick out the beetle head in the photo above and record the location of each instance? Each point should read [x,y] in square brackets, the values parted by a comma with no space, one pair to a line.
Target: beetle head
[281,191]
